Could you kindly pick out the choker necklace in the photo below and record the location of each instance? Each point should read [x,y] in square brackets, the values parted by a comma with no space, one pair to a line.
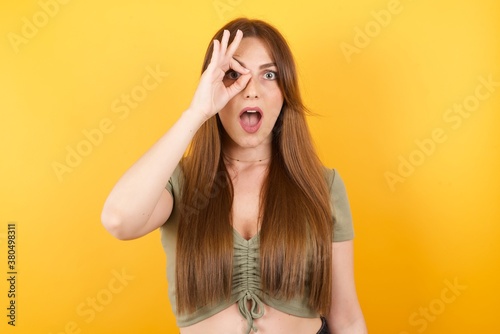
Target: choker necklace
[226,156]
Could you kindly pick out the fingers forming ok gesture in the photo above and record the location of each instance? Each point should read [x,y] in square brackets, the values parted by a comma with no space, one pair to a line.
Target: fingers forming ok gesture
[212,94]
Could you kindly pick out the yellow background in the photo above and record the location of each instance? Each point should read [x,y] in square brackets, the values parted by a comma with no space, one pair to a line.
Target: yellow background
[438,227]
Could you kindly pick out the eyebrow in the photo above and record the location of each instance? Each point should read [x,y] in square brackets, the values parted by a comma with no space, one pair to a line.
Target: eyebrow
[261,67]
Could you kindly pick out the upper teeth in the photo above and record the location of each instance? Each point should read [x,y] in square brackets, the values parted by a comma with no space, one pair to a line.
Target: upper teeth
[252,111]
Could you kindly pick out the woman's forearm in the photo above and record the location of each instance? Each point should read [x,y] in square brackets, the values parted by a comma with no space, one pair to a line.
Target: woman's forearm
[136,194]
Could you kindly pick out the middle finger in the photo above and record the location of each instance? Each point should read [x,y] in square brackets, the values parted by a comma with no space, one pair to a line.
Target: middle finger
[235,43]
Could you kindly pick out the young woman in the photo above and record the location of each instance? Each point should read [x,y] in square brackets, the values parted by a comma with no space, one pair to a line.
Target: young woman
[257,232]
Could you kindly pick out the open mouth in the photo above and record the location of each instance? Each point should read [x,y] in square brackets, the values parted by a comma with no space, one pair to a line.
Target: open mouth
[250,119]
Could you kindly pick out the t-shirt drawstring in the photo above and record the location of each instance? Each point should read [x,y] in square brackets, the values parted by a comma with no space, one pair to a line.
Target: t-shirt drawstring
[253,311]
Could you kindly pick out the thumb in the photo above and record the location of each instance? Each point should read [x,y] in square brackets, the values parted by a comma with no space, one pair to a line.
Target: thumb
[238,85]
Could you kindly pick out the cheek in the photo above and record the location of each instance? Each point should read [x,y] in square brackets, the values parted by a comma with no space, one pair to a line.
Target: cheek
[228,114]
[223,116]
[274,98]
[228,108]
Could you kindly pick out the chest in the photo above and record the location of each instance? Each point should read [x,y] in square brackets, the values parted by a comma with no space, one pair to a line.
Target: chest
[246,204]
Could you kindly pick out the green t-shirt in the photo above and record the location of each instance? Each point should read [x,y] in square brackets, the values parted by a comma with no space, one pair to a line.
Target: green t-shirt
[246,271]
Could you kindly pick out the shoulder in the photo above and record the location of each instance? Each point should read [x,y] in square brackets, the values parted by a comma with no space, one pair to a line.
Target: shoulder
[335,184]
[341,210]
[174,183]
[333,179]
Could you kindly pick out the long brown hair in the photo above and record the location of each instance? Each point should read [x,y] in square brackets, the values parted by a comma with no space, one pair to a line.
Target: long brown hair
[296,226]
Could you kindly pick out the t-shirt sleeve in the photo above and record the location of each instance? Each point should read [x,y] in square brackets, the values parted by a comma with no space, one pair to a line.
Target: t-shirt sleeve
[342,227]
[170,186]
[173,187]
[173,183]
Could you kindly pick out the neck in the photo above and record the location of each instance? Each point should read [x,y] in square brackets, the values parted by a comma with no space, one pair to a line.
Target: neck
[249,161]
[246,164]
[236,153]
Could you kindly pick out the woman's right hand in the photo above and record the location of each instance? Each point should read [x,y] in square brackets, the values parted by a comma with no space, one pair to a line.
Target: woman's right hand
[212,94]
[126,215]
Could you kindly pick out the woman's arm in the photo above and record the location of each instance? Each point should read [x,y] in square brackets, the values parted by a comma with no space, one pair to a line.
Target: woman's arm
[345,316]
[139,202]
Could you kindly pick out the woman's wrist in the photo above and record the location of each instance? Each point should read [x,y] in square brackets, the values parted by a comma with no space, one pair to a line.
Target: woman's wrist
[194,117]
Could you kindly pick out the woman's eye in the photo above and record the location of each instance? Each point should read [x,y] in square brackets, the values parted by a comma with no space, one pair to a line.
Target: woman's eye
[233,75]
[271,75]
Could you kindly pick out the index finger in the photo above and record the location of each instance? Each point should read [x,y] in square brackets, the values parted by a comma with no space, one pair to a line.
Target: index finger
[235,65]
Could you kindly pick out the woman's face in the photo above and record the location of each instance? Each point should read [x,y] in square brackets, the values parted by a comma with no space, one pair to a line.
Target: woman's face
[249,117]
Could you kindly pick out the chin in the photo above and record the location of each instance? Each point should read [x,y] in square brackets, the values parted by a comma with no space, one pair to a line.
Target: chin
[251,141]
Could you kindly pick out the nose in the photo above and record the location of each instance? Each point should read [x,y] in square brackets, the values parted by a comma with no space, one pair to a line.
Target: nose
[250,91]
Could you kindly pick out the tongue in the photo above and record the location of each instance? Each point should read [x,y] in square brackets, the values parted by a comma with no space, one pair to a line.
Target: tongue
[250,119]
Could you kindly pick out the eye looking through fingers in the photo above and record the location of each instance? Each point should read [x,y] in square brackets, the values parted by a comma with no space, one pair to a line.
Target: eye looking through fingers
[232,75]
